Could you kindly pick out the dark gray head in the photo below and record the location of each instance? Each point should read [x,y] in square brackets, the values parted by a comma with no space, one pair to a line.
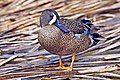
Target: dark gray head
[51,17]
[48,16]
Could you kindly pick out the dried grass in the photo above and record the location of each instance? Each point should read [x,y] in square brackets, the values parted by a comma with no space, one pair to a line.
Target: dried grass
[18,40]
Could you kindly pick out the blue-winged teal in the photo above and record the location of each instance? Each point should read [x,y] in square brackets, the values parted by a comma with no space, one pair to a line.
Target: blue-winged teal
[58,38]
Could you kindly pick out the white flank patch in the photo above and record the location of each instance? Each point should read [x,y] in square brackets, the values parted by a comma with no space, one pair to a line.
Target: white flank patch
[91,40]
[77,36]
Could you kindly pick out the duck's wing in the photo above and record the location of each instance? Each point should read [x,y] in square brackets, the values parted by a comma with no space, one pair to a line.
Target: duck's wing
[73,25]
[77,26]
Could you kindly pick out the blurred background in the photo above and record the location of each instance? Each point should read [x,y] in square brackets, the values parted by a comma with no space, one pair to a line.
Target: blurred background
[19,23]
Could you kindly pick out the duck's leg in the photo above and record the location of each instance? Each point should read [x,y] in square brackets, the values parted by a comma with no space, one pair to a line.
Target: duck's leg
[73,59]
[60,63]
[61,66]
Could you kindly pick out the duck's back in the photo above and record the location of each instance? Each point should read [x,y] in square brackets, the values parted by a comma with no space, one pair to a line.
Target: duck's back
[73,25]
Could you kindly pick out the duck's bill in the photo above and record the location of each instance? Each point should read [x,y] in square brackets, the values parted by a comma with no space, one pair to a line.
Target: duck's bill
[63,28]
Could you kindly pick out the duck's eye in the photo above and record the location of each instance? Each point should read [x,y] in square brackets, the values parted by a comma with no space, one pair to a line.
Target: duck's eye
[51,16]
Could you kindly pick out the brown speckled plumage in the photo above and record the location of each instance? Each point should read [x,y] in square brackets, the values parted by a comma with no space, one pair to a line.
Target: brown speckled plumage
[57,42]
[73,25]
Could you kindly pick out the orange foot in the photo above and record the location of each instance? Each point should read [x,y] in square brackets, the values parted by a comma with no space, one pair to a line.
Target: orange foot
[66,68]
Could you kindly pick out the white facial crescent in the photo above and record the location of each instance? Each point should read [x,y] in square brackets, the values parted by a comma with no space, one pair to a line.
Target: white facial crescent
[53,19]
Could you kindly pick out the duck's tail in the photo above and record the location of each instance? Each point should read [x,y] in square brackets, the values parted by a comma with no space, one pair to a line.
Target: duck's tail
[96,38]
[89,31]
[87,23]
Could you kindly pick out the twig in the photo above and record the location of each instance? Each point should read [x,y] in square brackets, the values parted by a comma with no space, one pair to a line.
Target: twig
[8,60]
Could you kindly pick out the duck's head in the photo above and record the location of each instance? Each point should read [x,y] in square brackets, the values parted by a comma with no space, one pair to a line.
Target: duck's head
[48,17]
[51,17]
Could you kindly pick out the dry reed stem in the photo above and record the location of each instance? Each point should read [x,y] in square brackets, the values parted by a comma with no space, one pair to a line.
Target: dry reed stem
[18,36]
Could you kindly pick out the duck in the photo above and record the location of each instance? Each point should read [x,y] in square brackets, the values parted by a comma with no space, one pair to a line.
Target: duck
[59,38]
